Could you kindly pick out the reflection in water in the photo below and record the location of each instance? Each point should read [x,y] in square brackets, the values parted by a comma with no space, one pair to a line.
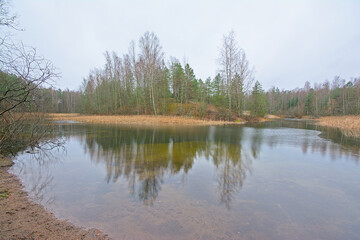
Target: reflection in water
[40,178]
[286,132]
[232,166]
[161,183]
[143,156]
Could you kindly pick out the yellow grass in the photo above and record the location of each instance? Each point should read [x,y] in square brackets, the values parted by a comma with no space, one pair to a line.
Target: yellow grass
[350,125]
[137,119]
[270,116]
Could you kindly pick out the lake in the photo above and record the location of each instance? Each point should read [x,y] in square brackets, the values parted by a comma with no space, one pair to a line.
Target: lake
[276,180]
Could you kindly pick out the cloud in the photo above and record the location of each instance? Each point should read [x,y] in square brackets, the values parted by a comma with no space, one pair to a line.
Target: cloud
[288,42]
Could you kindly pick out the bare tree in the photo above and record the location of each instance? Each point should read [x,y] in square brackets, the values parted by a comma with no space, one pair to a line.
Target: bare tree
[6,17]
[30,70]
[229,54]
[152,57]
[22,73]
[136,75]
[235,71]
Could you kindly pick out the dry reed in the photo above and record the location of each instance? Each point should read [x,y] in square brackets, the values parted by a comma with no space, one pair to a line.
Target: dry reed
[137,120]
[350,125]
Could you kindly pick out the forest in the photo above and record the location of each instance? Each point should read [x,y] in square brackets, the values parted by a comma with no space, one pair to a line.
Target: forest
[142,81]
[145,82]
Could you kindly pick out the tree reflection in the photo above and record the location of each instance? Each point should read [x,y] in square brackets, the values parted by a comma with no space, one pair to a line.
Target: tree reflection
[143,156]
[232,167]
[339,143]
[35,170]
[232,162]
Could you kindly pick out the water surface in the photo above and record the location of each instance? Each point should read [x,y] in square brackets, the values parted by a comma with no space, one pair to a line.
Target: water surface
[280,180]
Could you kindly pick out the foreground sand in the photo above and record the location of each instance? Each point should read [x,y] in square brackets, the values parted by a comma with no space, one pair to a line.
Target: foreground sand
[350,125]
[138,119]
[22,219]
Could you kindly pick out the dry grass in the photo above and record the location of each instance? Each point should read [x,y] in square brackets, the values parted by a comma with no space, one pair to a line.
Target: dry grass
[350,125]
[270,116]
[5,162]
[137,120]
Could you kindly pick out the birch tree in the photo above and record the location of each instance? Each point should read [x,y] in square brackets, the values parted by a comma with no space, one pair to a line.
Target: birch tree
[229,54]
[235,72]
[152,57]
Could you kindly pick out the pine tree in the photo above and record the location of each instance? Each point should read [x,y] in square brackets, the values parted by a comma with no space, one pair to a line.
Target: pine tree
[258,101]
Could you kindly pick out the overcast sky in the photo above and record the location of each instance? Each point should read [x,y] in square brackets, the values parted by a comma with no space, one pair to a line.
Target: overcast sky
[287,42]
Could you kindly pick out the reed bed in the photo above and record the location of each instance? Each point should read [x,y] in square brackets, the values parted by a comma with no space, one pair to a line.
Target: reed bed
[350,125]
[138,120]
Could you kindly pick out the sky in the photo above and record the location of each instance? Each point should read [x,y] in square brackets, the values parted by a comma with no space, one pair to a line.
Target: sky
[288,42]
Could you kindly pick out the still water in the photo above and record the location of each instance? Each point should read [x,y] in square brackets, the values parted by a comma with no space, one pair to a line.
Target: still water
[280,180]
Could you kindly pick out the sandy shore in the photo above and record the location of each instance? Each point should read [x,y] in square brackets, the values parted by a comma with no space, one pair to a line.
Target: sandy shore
[20,218]
[350,125]
[145,120]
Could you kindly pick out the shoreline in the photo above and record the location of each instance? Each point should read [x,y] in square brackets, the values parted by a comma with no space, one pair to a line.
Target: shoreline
[21,218]
[349,125]
[144,120]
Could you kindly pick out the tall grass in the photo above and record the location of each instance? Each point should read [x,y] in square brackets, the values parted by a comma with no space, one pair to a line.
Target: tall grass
[350,125]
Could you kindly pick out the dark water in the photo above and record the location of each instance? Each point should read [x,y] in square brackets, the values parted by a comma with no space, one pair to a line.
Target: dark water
[279,180]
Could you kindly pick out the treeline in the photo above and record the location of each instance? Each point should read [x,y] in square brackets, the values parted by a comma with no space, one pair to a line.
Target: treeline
[340,97]
[145,83]
[142,81]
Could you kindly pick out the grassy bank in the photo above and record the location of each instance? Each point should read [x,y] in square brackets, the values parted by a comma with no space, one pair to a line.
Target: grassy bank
[350,125]
[148,120]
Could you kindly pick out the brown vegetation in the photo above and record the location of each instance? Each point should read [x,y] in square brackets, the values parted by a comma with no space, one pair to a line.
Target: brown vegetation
[350,125]
[270,116]
[22,219]
[145,120]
